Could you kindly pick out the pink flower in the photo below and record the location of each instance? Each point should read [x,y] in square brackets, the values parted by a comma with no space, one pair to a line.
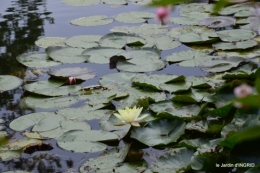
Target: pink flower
[72,80]
[162,14]
[241,92]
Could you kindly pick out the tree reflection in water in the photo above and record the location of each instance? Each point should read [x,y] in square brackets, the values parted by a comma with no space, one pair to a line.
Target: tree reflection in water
[21,24]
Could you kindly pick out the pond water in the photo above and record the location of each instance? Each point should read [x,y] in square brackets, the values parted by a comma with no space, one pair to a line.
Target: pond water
[22,22]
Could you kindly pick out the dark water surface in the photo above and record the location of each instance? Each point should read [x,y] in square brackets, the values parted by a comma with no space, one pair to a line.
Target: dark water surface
[22,22]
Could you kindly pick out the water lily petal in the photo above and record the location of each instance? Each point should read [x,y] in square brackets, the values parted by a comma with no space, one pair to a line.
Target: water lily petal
[135,124]
[118,116]
[142,117]
[138,112]
[120,124]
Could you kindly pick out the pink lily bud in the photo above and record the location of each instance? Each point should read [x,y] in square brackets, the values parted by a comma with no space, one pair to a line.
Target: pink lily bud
[162,14]
[240,92]
[72,80]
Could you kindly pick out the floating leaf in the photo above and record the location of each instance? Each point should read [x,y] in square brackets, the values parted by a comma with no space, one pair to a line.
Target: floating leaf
[220,64]
[20,144]
[80,2]
[159,132]
[101,55]
[236,35]
[244,13]
[8,82]
[83,41]
[193,143]
[115,2]
[174,160]
[244,54]
[120,40]
[142,53]
[234,9]
[134,17]
[66,55]
[235,45]
[92,21]
[77,72]
[161,42]
[141,2]
[51,41]
[191,18]
[176,87]
[40,60]
[217,22]
[41,121]
[116,78]
[140,65]
[11,154]
[85,141]
[194,38]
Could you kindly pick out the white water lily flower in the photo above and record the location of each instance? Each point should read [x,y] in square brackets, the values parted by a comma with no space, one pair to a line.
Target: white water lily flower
[130,116]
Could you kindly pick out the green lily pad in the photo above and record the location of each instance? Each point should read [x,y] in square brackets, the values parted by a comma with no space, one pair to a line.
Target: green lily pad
[190,58]
[142,53]
[201,126]
[154,81]
[116,78]
[202,31]
[20,144]
[92,21]
[244,13]
[101,55]
[80,2]
[220,64]
[192,7]
[8,82]
[176,87]
[161,42]
[65,126]
[51,41]
[85,141]
[40,60]
[217,22]
[195,38]
[193,143]
[191,96]
[17,172]
[235,45]
[191,18]
[244,54]
[145,29]
[83,41]
[134,17]
[115,2]
[120,40]
[170,109]
[230,10]
[107,123]
[174,160]
[141,2]
[77,72]
[66,55]
[140,65]
[41,121]
[11,154]
[199,82]
[236,35]
[47,103]
[159,132]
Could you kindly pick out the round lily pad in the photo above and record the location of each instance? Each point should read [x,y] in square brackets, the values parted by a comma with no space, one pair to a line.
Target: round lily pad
[161,42]
[134,17]
[83,41]
[234,9]
[115,2]
[159,132]
[192,7]
[217,22]
[40,60]
[20,144]
[141,2]
[120,40]
[236,35]
[140,65]
[80,2]
[51,41]
[66,55]
[191,18]
[77,72]
[235,45]
[116,78]
[101,55]
[196,38]
[8,82]
[142,53]
[92,21]
[244,13]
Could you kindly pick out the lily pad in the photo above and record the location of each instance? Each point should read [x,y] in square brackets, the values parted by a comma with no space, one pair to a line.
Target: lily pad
[220,64]
[77,72]
[159,132]
[236,35]
[142,53]
[51,41]
[140,65]
[244,54]
[83,41]
[8,82]
[40,60]
[176,87]
[80,2]
[120,40]
[85,141]
[161,42]
[20,144]
[244,13]
[192,7]
[191,18]
[116,78]
[41,121]
[66,55]
[11,154]
[234,9]
[134,17]
[17,172]
[217,22]
[115,2]
[101,55]
[235,45]
[92,21]
[154,81]
[174,160]
[195,38]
